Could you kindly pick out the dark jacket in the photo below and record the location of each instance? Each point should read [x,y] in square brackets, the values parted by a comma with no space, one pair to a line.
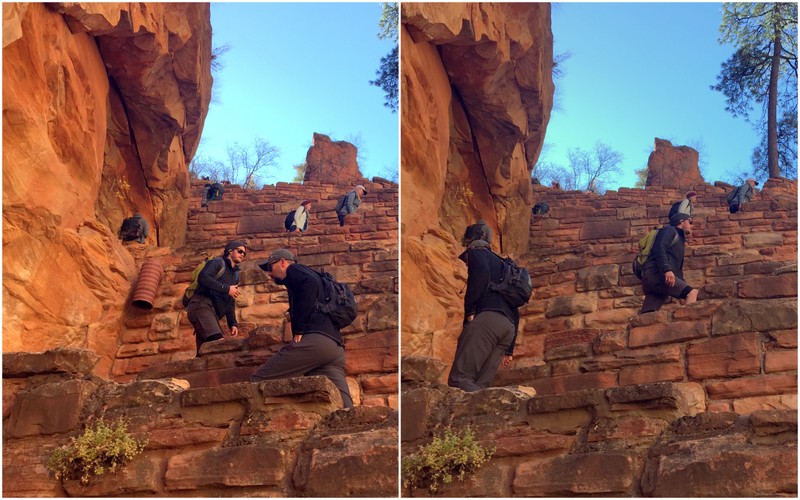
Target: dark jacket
[482,266]
[666,255]
[305,286]
[217,289]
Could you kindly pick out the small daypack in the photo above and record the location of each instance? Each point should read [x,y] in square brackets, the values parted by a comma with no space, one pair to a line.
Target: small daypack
[674,208]
[645,245]
[732,195]
[336,300]
[340,205]
[289,220]
[540,208]
[515,285]
[131,229]
[189,292]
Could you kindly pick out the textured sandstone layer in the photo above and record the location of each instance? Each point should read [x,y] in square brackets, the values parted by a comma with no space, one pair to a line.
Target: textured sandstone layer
[476,97]
[279,438]
[103,106]
[332,162]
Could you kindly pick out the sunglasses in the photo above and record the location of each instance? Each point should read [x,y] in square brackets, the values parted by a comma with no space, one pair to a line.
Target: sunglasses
[241,252]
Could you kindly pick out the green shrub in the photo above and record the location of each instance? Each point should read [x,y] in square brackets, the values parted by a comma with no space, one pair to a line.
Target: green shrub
[451,456]
[98,450]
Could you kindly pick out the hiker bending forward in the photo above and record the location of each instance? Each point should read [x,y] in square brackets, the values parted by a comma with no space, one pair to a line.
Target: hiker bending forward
[316,347]
[350,203]
[490,324]
[662,275]
[216,297]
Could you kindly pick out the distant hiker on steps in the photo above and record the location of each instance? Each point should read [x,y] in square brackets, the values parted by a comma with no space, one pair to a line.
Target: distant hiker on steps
[662,275]
[212,192]
[349,203]
[297,220]
[741,195]
[134,228]
[215,297]
[317,347]
[685,206]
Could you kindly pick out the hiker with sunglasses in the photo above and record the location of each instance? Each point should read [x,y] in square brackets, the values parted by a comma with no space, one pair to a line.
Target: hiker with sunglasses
[662,274]
[215,297]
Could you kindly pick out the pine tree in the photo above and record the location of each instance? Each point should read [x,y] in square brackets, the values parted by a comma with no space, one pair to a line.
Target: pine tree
[763,70]
[388,71]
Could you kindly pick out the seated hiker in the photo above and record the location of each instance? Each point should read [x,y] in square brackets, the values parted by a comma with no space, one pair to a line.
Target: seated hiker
[134,228]
[349,203]
[297,220]
[592,189]
[317,347]
[741,195]
[216,293]
[662,274]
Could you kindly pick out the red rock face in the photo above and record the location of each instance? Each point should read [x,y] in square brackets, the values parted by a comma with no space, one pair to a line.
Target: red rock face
[673,166]
[476,97]
[103,106]
[331,162]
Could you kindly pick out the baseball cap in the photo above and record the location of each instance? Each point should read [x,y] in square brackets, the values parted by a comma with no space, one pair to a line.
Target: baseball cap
[277,255]
[691,193]
[362,187]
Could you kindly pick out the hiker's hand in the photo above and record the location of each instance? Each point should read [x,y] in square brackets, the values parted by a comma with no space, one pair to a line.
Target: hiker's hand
[507,360]
[297,230]
[234,331]
[669,278]
[297,339]
[233,291]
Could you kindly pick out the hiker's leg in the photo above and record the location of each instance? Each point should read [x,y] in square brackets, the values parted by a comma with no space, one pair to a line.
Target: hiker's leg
[203,318]
[294,360]
[334,370]
[502,330]
[475,345]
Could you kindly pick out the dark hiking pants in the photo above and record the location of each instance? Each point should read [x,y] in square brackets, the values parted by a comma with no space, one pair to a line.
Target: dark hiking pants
[656,291]
[315,354]
[203,318]
[481,348]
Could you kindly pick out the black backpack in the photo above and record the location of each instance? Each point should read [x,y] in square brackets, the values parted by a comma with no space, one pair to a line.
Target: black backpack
[131,229]
[336,300]
[540,208]
[515,285]
[674,208]
[289,220]
[215,192]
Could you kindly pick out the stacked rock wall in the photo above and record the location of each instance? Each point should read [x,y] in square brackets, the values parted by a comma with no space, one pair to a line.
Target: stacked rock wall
[686,401]
[279,438]
[160,342]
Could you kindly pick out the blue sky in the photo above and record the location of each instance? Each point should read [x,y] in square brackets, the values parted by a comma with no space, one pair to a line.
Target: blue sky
[640,71]
[298,68]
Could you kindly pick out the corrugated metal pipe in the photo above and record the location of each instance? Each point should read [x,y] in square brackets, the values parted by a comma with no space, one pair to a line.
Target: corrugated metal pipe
[146,287]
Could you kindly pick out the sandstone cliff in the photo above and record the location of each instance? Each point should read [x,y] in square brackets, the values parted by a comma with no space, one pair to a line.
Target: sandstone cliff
[476,97]
[103,107]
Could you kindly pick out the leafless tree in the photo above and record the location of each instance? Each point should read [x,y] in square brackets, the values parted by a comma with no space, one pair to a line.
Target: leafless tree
[249,163]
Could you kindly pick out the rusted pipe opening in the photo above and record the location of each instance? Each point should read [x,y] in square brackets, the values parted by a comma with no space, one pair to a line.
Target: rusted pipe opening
[147,286]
